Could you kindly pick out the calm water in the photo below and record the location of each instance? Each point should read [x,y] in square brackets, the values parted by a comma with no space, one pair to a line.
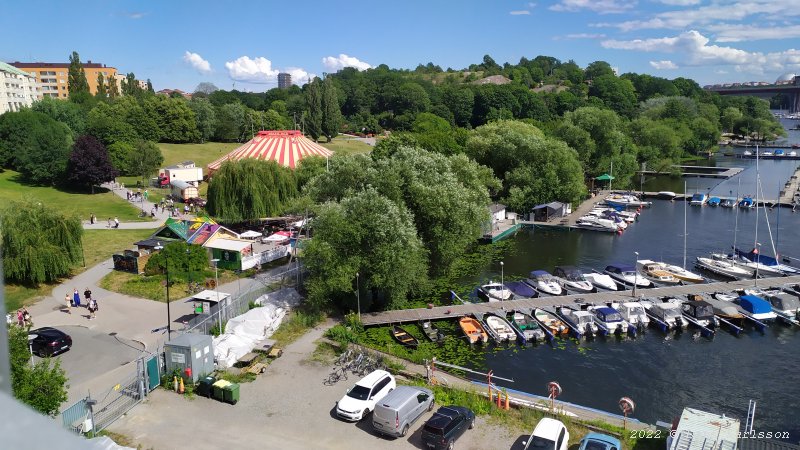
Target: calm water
[661,375]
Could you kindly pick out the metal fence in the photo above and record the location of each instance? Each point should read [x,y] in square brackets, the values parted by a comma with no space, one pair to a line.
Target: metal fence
[240,302]
[95,414]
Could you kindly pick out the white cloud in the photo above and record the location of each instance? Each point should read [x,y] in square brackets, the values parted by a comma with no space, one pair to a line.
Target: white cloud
[134,15]
[697,52]
[598,6]
[299,76]
[738,33]
[663,65]
[585,36]
[521,12]
[256,70]
[704,15]
[680,2]
[197,61]
[335,63]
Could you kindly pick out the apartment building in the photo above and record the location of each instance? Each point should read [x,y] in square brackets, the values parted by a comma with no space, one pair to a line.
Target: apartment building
[52,77]
[17,88]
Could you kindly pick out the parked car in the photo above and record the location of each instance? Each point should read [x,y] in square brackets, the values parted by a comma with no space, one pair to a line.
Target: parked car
[47,341]
[367,392]
[599,441]
[394,414]
[447,425]
[549,434]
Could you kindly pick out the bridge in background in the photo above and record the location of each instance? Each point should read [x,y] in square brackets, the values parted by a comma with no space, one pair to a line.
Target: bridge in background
[790,88]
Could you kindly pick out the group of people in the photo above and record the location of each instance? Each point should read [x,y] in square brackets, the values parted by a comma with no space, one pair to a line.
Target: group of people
[24,318]
[74,301]
[137,196]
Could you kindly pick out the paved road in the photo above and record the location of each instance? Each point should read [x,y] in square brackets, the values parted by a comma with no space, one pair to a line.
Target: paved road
[102,222]
[93,353]
[288,407]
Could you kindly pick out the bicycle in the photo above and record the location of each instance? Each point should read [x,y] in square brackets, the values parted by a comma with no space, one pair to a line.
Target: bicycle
[335,376]
[343,358]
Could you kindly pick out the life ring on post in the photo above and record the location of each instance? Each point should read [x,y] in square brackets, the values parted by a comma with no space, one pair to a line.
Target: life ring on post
[554,389]
[626,405]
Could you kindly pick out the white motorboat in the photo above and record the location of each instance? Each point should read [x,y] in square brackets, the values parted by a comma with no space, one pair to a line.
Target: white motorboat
[633,313]
[701,311]
[699,199]
[786,306]
[757,307]
[601,281]
[747,153]
[682,274]
[668,312]
[613,215]
[499,328]
[666,195]
[597,224]
[722,267]
[610,319]
[626,201]
[527,325]
[725,296]
[582,320]
[495,292]
[544,283]
[572,280]
[750,266]
[627,275]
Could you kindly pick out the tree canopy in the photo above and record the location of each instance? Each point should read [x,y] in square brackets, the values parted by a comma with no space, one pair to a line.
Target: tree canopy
[42,386]
[250,189]
[89,163]
[35,145]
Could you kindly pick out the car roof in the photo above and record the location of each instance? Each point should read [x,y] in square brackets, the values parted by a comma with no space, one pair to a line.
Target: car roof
[372,378]
[401,394]
[47,331]
[603,438]
[442,417]
[548,428]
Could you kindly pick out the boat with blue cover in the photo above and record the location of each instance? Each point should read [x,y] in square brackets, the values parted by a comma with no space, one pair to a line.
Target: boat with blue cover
[714,201]
[610,319]
[521,289]
[747,203]
[757,307]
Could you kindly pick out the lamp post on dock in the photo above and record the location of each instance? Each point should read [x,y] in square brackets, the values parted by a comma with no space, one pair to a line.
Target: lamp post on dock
[636,272]
[358,296]
[502,275]
[159,247]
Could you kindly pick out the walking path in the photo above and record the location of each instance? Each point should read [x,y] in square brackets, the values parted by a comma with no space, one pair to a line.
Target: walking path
[143,205]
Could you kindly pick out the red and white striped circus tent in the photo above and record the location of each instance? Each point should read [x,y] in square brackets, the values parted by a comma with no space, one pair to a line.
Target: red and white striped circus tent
[286,147]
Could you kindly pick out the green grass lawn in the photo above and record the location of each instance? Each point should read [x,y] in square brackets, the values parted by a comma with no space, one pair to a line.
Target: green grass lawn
[152,287]
[103,204]
[98,245]
[346,146]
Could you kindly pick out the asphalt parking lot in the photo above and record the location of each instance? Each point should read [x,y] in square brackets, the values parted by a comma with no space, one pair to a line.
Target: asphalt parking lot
[288,407]
[93,357]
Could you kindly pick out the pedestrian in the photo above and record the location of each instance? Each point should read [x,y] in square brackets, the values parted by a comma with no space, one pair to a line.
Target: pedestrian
[123,186]
[20,319]
[26,317]
[92,219]
[76,297]
[116,222]
[87,294]
[92,308]
[128,195]
[68,301]
[109,222]
[146,194]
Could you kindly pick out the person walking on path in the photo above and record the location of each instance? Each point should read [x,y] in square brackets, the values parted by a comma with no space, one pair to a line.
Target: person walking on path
[20,319]
[87,294]
[68,301]
[92,308]
[92,219]
[26,318]
[116,222]
[76,297]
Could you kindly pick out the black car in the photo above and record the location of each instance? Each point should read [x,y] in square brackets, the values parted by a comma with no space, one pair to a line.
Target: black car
[48,341]
[446,425]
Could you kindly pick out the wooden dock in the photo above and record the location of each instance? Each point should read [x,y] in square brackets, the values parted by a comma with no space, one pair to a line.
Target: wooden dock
[790,189]
[700,171]
[455,311]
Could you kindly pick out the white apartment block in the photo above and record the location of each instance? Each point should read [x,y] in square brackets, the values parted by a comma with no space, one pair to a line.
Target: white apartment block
[18,89]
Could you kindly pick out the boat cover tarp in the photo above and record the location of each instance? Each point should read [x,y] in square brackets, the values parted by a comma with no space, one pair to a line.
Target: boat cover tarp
[754,305]
[521,289]
[539,273]
[754,256]
[244,331]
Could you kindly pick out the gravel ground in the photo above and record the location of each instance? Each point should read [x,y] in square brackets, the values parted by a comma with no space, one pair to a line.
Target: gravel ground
[288,407]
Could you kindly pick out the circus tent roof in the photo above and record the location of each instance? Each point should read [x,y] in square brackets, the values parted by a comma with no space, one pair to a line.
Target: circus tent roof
[286,147]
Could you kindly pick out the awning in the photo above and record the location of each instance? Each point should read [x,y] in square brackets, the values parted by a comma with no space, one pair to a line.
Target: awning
[279,236]
[228,244]
[250,234]
[208,296]
[604,177]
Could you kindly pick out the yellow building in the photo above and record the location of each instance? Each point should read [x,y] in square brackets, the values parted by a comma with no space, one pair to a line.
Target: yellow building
[52,77]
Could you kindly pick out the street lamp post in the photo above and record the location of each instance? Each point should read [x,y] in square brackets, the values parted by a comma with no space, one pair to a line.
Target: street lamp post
[166,267]
[636,273]
[358,296]
[216,288]
[502,276]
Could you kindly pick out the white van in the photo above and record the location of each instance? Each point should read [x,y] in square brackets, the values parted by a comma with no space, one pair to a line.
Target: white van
[361,398]
[394,414]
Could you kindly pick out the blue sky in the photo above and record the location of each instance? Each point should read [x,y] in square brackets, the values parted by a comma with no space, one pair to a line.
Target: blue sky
[178,44]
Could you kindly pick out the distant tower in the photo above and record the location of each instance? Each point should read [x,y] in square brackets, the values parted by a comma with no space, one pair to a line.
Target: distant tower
[284,80]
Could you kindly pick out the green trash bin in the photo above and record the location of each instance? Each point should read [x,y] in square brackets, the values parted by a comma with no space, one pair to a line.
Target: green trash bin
[230,393]
[204,386]
[218,389]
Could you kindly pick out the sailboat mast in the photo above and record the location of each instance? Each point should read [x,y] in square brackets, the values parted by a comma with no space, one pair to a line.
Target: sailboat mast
[778,225]
[758,174]
[684,224]
[736,227]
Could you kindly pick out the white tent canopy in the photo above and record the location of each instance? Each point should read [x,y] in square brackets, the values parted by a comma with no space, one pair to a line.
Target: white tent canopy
[250,234]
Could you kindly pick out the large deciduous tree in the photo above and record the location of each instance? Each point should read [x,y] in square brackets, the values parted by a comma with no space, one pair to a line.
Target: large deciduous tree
[369,235]
[331,114]
[146,159]
[42,386]
[313,119]
[76,77]
[205,116]
[39,244]
[536,169]
[102,90]
[89,164]
[69,113]
[249,189]
[35,145]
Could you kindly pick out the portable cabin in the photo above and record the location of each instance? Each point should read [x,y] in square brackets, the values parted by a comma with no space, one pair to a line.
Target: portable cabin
[185,171]
[183,190]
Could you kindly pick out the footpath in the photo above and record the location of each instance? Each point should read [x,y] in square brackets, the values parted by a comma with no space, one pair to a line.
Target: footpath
[142,205]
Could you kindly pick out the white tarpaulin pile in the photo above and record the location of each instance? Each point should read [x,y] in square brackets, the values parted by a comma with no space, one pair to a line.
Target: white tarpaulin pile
[244,331]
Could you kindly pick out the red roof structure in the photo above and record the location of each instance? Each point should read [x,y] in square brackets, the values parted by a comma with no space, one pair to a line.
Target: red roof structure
[286,147]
